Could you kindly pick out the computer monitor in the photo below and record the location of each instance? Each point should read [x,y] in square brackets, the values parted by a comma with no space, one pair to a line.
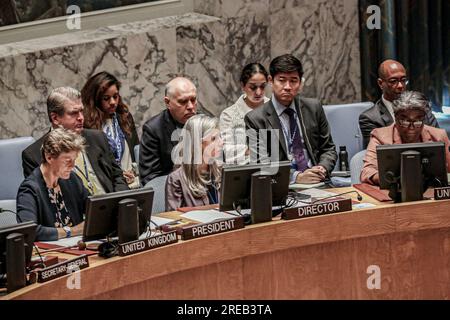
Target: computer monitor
[407,170]
[236,184]
[28,230]
[102,212]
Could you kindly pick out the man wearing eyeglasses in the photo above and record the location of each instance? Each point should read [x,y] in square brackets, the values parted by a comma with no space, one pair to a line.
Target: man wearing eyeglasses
[392,80]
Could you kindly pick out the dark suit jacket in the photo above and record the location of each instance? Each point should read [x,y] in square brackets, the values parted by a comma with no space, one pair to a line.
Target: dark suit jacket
[33,203]
[156,146]
[133,139]
[100,156]
[378,116]
[318,140]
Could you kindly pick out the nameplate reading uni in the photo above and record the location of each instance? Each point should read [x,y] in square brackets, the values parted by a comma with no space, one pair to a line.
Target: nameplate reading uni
[62,269]
[317,209]
[207,229]
[442,193]
[160,240]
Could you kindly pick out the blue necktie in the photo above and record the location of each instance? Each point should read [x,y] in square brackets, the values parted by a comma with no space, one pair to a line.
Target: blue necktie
[295,143]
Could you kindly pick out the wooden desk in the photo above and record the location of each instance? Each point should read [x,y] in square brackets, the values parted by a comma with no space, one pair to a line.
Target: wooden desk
[323,257]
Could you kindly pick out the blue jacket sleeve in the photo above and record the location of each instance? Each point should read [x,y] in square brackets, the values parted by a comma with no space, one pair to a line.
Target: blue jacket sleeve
[28,205]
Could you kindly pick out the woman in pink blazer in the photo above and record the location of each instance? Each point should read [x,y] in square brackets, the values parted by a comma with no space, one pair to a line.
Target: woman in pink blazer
[409,110]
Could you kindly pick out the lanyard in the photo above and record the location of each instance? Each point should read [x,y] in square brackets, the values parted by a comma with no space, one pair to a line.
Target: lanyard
[290,138]
[86,176]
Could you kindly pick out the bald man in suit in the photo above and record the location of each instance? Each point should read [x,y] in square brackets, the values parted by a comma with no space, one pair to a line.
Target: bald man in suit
[392,80]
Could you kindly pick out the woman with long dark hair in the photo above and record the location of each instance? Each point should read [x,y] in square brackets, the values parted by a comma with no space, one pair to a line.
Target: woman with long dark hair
[105,110]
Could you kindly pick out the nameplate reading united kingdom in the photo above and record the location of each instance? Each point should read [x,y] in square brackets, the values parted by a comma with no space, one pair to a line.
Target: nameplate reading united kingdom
[133,247]
[442,193]
[207,229]
[62,269]
[317,209]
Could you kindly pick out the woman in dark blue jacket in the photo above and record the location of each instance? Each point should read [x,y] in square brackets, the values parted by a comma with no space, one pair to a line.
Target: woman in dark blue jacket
[53,196]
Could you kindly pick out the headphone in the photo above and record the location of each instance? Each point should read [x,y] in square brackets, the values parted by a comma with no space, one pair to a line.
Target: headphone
[108,249]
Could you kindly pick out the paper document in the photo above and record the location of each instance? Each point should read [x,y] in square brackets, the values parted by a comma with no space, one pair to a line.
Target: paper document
[243,211]
[159,221]
[65,242]
[205,216]
[148,234]
[317,193]
[296,186]
[363,205]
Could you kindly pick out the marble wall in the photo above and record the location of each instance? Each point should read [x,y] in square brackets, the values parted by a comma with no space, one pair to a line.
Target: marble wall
[210,46]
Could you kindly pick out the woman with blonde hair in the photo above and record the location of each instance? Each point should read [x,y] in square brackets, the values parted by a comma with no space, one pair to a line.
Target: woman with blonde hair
[53,196]
[196,181]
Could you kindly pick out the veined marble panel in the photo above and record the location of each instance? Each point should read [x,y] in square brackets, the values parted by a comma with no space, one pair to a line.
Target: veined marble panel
[19,115]
[258,9]
[215,53]
[212,51]
[104,33]
[152,62]
[323,34]
[38,73]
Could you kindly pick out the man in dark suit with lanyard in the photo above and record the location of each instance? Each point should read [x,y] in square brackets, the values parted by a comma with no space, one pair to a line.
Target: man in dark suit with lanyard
[392,81]
[96,166]
[300,124]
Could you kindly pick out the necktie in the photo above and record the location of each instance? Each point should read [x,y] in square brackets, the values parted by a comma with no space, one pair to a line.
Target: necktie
[295,143]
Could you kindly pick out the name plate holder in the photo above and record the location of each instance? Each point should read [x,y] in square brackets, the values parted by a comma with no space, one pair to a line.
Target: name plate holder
[318,209]
[442,193]
[132,247]
[210,228]
[61,269]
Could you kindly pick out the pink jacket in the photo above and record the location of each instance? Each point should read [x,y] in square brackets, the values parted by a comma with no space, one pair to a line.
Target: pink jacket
[390,135]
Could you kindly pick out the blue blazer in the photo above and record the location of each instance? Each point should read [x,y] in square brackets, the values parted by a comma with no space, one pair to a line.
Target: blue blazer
[33,203]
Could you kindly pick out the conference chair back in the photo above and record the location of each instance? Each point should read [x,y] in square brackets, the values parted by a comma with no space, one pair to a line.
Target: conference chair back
[344,126]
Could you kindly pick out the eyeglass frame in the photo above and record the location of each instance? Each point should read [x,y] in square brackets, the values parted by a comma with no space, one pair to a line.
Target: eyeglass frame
[394,81]
[415,123]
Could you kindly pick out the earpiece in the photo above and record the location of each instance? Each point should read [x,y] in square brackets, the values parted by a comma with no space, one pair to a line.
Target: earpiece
[107,249]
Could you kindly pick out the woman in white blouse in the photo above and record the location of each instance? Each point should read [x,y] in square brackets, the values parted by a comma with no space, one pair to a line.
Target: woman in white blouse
[232,127]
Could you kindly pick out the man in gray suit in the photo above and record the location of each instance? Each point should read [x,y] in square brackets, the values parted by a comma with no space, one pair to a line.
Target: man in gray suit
[300,124]
[392,80]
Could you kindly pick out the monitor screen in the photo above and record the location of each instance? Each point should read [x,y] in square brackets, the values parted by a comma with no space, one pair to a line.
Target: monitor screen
[102,212]
[236,183]
[432,162]
[28,230]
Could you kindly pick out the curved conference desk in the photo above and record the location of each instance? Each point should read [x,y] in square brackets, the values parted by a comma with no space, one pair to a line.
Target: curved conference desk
[324,257]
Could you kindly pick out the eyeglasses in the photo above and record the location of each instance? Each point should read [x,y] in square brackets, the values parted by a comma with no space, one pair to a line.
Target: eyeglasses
[255,87]
[408,123]
[394,81]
